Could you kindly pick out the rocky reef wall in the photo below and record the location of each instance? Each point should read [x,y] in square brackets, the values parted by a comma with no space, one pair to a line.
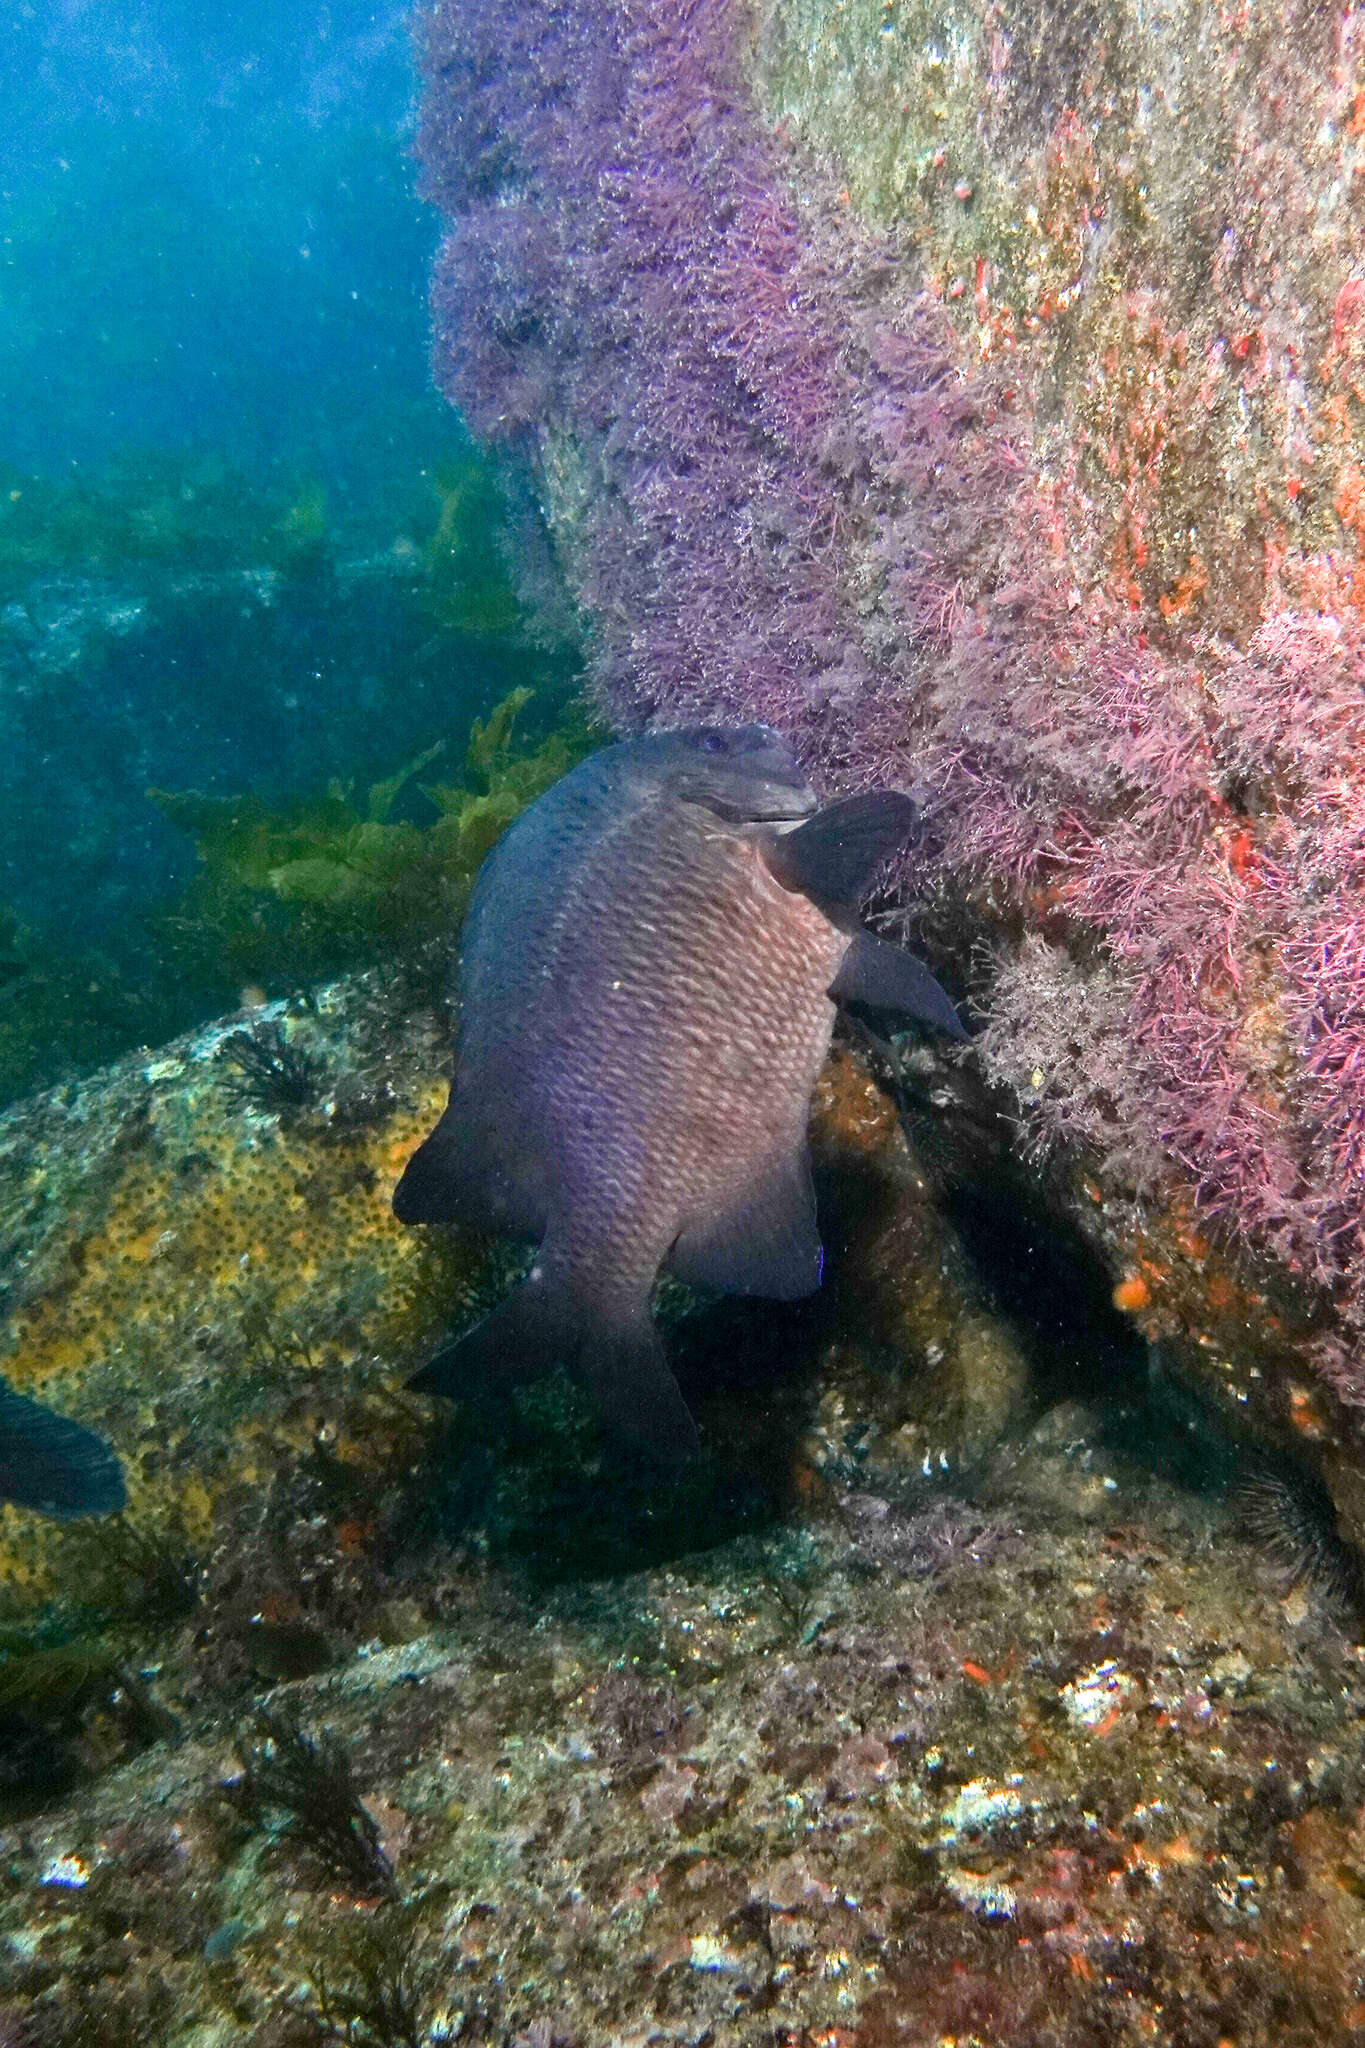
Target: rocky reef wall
[930,1706]
[978,393]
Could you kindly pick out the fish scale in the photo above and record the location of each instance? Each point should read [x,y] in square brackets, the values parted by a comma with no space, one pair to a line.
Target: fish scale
[734,973]
[647,995]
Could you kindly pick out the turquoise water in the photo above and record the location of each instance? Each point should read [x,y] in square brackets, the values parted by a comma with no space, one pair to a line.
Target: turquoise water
[212,242]
[244,546]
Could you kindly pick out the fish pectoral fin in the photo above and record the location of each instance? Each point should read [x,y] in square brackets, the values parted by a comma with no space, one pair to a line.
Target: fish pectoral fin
[52,1464]
[837,855]
[763,1242]
[886,977]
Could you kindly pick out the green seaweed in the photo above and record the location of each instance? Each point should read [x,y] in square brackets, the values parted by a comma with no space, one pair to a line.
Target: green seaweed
[69,1010]
[174,511]
[179,510]
[328,881]
[468,589]
[289,889]
[57,1682]
[52,1695]
[286,894]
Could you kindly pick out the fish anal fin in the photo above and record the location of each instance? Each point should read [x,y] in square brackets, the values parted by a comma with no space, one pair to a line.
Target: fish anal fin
[524,1337]
[463,1173]
[836,856]
[886,977]
[764,1241]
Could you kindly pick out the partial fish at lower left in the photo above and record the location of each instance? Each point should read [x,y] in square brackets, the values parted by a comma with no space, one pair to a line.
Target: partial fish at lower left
[51,1464]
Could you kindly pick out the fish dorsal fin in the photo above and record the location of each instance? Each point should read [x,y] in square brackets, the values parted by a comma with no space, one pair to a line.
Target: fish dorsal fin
[888,978]
[765,1241]
[836,855]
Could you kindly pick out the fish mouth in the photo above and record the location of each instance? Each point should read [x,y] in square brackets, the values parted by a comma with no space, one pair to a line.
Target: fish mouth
[793,810]
[770,804]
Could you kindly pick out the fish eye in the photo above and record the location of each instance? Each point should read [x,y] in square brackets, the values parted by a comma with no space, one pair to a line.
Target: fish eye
[713,743]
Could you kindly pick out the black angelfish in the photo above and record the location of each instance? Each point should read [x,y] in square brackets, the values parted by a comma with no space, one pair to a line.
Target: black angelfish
[52,1464]
[651,963]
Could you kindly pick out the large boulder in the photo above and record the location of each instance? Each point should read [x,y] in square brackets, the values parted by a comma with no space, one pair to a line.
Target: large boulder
[979,395]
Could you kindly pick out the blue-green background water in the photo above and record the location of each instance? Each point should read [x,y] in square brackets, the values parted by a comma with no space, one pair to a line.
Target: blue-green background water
[211,241]
[244,545]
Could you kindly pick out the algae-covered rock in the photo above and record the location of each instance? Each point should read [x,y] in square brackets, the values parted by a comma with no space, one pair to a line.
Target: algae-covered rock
[1156,216]
[945,1693]
[974,392]
[905,1768]
[215,1281]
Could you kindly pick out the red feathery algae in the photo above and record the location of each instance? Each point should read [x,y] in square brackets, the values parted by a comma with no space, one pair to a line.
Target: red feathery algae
[781,487]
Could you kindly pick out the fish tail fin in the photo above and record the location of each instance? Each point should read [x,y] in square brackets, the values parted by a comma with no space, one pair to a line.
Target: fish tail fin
[52,1464]
[636,1394]
[540,1326]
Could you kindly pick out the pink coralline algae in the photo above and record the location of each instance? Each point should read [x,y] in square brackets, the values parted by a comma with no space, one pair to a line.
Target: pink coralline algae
[781,487]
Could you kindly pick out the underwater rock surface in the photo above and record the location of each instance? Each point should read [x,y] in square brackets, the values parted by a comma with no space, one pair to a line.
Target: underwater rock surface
[977,396]
[1061,1766]
[936,1703]
[199,1259]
